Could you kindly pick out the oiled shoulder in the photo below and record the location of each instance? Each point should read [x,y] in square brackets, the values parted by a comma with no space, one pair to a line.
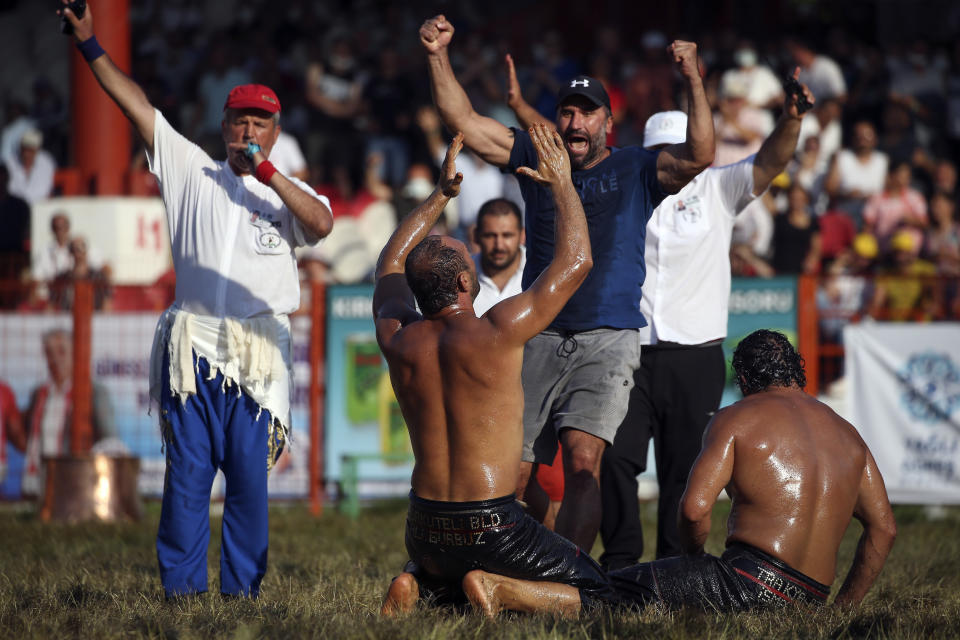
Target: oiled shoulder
[739,417]
[414,341]
[760,416]
[479,334]
[832,426]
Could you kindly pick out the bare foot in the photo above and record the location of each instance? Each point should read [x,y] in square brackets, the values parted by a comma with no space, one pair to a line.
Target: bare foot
[401,596]
[491,593]
[480,588]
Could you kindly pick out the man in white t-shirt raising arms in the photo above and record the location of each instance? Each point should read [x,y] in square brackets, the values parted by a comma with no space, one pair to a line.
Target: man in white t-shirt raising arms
[499,234]
[221,364]
[685,298]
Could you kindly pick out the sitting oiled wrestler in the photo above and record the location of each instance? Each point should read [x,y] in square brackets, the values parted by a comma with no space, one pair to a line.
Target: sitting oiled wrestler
[796,474]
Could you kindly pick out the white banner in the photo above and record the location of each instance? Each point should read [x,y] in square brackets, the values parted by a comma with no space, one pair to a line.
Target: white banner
[904,398]
[120,362]
[129,234]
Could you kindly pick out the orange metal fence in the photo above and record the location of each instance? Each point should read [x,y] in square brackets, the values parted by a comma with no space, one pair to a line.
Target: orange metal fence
[828,303]
[824,306]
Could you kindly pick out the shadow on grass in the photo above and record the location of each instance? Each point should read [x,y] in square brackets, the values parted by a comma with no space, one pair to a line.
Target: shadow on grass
[80,595]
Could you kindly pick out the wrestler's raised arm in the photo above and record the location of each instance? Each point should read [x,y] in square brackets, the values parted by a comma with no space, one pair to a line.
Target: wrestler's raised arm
[122,90]
[879,531]
[524,315]
[484,136]
[393,302]
[677,164]
[710,473]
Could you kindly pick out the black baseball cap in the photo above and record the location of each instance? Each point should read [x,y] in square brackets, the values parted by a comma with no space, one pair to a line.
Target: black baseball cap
[590,88]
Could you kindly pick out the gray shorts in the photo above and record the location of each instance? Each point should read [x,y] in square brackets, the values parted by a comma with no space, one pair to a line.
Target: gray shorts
[582,381]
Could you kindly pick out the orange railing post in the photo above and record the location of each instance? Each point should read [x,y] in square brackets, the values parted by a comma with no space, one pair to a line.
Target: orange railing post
[81,429]
[807,330]
[318,337]
[101,134]
[68,182]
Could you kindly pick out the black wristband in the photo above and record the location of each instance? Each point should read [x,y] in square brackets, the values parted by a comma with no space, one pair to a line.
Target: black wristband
[90,49]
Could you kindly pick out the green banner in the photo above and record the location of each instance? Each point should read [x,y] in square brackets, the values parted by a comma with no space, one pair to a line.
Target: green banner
[758,303]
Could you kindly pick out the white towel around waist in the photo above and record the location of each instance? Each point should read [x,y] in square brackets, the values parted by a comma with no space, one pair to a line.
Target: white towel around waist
[253,353]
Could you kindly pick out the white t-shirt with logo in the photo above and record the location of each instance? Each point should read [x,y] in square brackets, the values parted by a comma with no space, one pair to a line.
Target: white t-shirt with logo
[231,237]
[687,289]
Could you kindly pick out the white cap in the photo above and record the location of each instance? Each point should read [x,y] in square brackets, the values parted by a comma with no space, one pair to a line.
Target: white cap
[734,86]
[31,139]
[665,127]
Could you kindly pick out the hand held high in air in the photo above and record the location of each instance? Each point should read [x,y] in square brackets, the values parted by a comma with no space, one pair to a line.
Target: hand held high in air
[685,55]
[791,103]
[553,161]
[82,27]
[435,34]
[450,178]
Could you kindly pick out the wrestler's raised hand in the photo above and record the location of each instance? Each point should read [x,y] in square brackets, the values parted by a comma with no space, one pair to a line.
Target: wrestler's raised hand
[685,55]
[790,104]
[513,85]
[553,162]
[436,33]
[450,178]
[82,27]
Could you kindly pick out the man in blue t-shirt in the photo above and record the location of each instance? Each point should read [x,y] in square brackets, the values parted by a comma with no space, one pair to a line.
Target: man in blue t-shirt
[577,374]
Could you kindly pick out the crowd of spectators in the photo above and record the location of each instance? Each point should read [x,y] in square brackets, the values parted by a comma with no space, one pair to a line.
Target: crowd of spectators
[872,189]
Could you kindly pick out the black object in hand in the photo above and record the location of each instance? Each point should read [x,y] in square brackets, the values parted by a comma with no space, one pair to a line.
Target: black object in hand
[792,88]
[78,7]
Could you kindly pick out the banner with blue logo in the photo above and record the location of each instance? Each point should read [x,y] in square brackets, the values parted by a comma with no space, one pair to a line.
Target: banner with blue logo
[904,399]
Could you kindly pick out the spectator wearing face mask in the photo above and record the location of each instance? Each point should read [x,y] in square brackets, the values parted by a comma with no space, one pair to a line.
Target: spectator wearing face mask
[762,88]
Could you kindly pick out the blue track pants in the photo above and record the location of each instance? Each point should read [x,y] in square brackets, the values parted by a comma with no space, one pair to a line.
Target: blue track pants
[214,429]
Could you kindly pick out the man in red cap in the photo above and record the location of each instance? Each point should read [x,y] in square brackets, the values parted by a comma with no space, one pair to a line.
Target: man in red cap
[221,364]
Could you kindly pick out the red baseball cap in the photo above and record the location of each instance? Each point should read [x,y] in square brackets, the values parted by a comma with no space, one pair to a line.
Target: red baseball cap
[252,96]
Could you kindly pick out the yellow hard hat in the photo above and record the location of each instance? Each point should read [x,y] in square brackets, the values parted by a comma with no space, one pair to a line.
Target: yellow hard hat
[903,241]
[865,246]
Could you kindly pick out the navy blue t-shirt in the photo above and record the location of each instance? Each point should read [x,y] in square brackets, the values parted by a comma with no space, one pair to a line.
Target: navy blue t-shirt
[619,194]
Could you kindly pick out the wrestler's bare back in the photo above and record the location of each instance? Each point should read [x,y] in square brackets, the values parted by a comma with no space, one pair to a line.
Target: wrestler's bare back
[796,477]
[459,388]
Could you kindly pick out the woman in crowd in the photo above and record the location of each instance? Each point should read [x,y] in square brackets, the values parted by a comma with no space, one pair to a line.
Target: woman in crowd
[796,235]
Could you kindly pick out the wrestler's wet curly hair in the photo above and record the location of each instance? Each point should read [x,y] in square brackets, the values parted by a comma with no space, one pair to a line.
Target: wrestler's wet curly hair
[432,269]
[767,359]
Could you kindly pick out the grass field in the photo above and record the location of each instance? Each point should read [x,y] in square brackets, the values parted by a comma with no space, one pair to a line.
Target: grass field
[327,576]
